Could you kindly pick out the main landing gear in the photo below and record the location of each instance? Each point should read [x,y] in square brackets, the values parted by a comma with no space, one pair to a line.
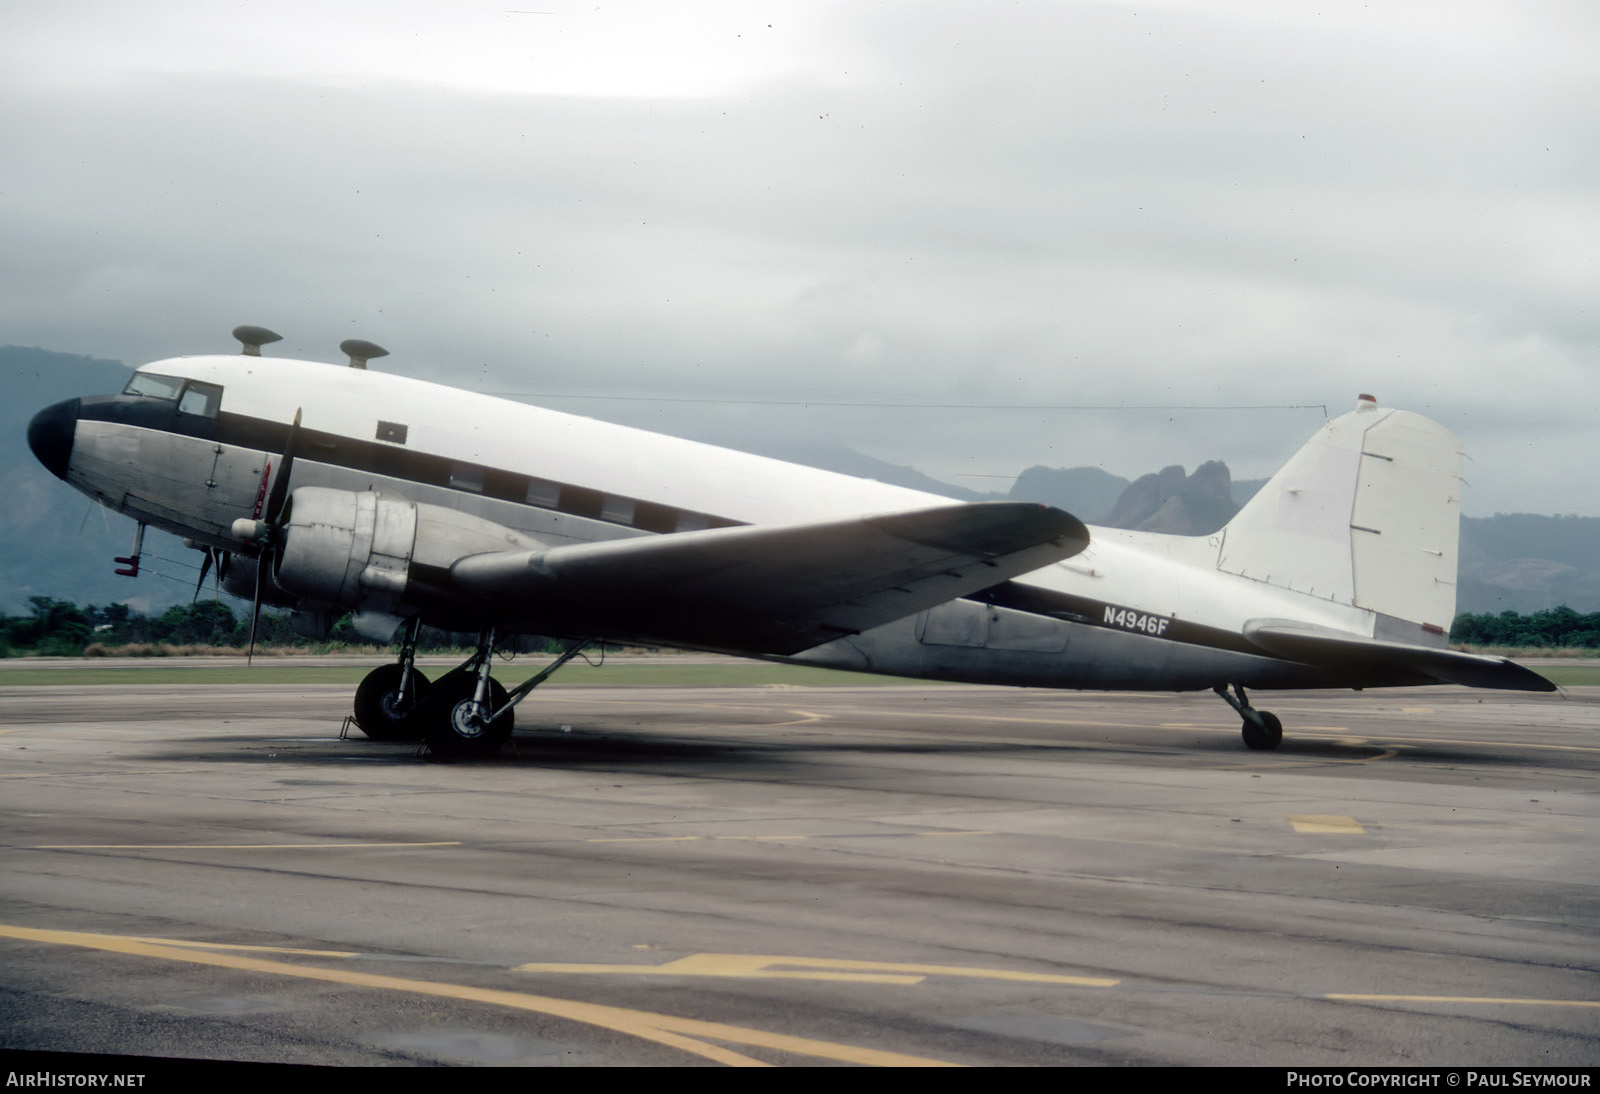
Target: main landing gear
[1262,730]
[389,698]
[466,712]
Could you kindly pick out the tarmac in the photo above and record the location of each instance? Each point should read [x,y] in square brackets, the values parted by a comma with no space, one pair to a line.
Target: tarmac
[818,875]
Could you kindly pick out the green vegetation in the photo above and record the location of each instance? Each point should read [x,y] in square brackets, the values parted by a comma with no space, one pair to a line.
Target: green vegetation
[1577,674]
[59,628]
[290,671]
[1553,628]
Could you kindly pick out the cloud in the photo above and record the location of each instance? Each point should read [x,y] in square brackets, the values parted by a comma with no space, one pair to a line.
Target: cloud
[1228,204]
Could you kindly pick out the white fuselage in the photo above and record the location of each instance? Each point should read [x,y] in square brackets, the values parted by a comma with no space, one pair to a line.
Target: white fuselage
[1133,609]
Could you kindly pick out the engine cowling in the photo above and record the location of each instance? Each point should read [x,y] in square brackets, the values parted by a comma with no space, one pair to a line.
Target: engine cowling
[239,579]
[361,549]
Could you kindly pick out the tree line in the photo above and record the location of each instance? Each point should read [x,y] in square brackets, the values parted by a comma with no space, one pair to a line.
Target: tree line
[1551,628]
[59,628]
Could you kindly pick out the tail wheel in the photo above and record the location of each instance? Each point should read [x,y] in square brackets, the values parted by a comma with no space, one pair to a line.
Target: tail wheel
[452,723]
[1267,735]
[382,711]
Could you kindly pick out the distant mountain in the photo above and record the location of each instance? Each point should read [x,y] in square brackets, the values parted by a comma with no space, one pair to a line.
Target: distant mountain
[1088,493]
[1521,562]
[1509,562]
[1205,501]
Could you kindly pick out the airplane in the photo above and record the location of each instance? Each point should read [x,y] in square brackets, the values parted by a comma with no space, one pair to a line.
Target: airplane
[333,489]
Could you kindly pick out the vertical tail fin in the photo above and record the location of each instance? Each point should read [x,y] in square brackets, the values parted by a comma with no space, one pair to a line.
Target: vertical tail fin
[1367,513]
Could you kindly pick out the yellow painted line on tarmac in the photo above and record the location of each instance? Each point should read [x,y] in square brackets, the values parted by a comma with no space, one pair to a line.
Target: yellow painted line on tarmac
[1349,998]
[686,1034]
[773,967]
[228,846]
[1499,744]
[243,949]
[1325,824]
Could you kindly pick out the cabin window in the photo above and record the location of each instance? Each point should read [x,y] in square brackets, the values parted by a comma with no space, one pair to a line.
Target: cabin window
[154,385]
[544,493]
[200,399]
[617,510]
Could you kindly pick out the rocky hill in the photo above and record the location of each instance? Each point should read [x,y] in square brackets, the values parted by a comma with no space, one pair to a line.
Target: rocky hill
[1517,562]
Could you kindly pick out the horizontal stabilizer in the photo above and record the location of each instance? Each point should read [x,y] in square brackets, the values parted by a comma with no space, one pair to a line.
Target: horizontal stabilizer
[771,589]
[1351,652]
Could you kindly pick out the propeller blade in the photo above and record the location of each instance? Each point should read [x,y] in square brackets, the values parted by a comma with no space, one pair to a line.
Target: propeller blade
[274,533]
[280,485]
[205,568]
[255,610]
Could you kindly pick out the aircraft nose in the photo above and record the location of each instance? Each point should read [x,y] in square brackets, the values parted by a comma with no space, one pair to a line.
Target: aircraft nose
[50,435]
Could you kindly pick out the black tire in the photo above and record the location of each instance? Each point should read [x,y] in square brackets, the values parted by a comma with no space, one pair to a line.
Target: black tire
[382,712]
[1268,735]
[447,724]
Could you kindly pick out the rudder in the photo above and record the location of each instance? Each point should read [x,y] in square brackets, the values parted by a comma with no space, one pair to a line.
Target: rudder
[1367,513]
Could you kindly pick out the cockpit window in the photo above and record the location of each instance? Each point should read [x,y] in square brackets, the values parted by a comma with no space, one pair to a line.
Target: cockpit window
[200,398]
[156,386]
[192,396]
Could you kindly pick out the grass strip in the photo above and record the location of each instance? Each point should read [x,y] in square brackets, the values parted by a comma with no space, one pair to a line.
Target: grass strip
[753,674]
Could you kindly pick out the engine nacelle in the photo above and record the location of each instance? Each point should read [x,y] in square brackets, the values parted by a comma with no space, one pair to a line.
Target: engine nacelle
[363,550]
[239,578]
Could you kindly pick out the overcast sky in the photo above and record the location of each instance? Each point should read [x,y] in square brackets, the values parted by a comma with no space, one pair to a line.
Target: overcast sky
[741,216]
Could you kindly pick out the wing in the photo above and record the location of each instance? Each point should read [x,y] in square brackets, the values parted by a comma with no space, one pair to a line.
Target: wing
[1335,649]
[770,589]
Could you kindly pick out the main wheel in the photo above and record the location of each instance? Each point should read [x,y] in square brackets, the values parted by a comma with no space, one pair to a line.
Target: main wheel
[382,712]
[1267,735]
[451,722]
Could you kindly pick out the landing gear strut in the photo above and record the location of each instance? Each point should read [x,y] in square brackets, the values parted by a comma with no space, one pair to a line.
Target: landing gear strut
[468,713]
[388,699]
[1261,729]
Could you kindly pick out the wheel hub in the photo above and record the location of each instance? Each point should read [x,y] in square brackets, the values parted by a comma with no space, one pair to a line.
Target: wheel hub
[467,719]
[395,705]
